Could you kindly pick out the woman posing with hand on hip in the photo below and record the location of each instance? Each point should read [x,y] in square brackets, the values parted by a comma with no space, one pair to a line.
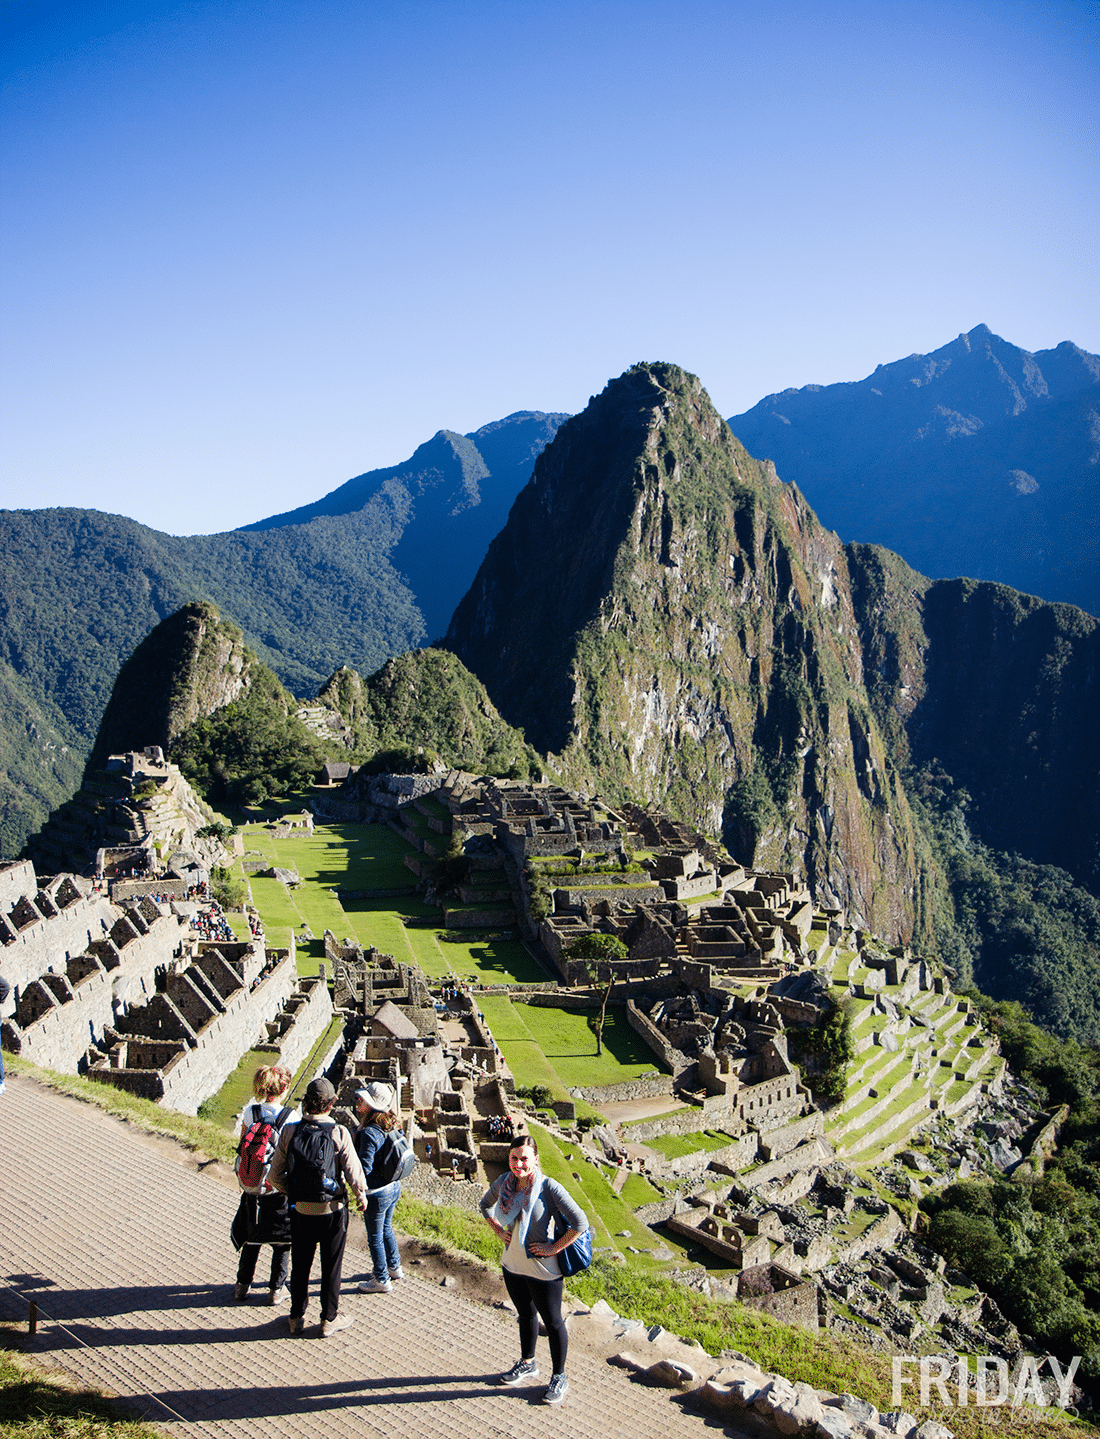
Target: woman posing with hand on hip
[535,1218]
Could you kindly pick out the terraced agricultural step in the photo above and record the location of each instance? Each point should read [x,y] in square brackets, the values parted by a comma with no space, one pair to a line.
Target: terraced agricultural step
[857,1142]
[863,1114]
[981,1061]
[954,1029]
[972,1095]
[888,1145]
[873,1062]
[927,1003]
[880,1077]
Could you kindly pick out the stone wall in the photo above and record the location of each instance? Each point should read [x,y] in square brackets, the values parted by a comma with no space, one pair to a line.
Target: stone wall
[631,1089]
[879,1235]
[30,949]
[767,1104]
[814,1152]
[669,1058]
[479,918]
[300,1024]
[17,878]
[213,1049]
[796,1303]
[68,1008]
[691,1120]
[778,1142]
[580,894]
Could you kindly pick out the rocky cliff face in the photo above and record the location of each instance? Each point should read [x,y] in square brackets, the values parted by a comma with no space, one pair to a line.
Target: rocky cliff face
[192,664]
[1000,690]
[668,621]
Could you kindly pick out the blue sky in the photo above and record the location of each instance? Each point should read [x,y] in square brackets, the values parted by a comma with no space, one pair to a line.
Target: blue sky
[249,250]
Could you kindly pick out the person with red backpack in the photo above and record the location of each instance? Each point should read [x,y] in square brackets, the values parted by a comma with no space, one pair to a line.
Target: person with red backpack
[263,1215]
[314,1161]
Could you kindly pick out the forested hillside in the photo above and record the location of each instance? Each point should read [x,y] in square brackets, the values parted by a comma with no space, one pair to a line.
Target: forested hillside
[312,591]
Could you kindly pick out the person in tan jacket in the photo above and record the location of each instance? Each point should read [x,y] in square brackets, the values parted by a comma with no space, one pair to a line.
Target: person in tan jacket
[313,1166]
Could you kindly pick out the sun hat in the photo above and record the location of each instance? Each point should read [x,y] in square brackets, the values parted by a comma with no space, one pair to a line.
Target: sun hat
[377,1096]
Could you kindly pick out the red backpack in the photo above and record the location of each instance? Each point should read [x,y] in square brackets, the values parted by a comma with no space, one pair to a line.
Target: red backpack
[257,1147]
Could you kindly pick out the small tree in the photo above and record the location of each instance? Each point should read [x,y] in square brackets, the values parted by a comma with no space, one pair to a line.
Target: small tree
[592,950]
[452,869]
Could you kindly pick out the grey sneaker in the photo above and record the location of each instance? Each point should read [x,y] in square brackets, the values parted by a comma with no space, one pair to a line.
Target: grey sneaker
[397,1273]
[557,1390]
[277,1296]
[370,1285]
[335,1326]
[522,1369]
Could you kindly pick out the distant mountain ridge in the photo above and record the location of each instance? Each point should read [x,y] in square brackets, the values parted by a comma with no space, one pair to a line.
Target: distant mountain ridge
[376,568]
[979,460]
[315,589]
[443,505]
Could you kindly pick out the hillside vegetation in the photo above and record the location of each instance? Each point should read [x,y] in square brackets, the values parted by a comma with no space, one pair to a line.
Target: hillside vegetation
[368,573]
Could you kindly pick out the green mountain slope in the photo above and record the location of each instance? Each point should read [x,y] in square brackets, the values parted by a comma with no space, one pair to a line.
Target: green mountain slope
[311,591]
[671,623]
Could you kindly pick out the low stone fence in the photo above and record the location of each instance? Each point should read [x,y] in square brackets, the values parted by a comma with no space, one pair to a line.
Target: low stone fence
[669,1058]
[630,1089]
[683,1121]
[478,918]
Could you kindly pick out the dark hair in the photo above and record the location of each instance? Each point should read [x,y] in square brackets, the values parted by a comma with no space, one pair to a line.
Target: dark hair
[519,1140]
[319,1097]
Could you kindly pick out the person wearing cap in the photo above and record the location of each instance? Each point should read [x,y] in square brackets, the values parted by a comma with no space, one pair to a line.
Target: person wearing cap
[378,1111]
[319,1224]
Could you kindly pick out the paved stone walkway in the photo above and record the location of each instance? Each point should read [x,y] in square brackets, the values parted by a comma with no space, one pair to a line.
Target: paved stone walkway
[125,1247]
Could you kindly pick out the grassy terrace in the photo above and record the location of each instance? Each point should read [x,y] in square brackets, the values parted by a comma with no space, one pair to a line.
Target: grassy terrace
[359,860]
[676,1146]
[223,1107]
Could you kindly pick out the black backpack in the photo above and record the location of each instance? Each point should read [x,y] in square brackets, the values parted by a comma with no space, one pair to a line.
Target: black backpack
[396,1158]
[311,1165]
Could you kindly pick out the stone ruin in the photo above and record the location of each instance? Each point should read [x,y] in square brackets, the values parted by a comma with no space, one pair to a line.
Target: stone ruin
[127,993]
[131,815]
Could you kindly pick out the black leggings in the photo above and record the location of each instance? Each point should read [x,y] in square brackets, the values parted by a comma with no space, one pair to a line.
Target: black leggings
[537,1299]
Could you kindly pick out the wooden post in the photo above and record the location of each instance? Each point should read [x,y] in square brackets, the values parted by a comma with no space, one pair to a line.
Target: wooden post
[32,1317]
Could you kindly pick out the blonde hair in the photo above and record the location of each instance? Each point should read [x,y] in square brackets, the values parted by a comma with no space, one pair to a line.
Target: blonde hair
[384,1118]
[270,1080]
